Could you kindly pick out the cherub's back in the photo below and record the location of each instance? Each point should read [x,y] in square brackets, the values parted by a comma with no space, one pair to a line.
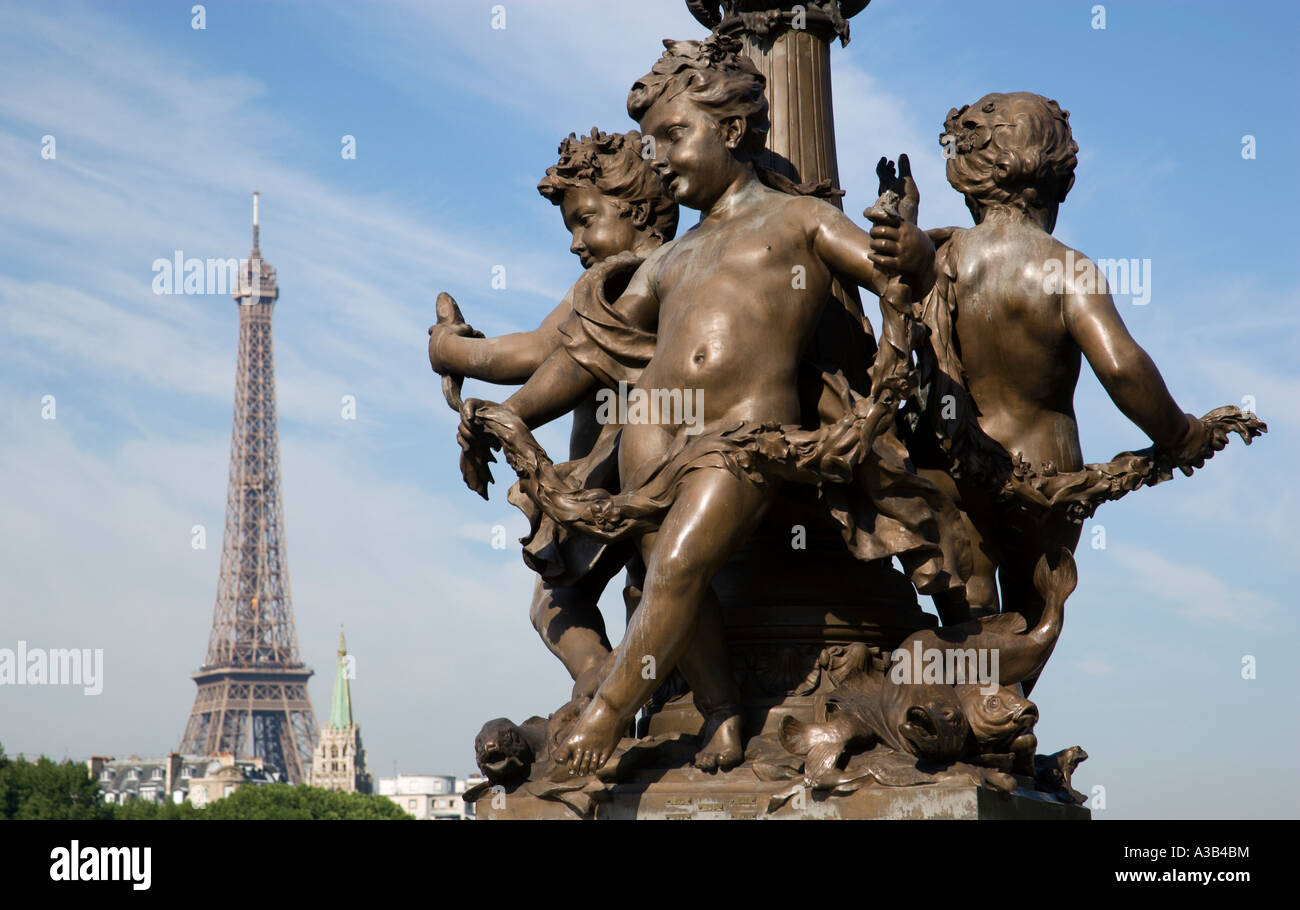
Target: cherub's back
[1020,362]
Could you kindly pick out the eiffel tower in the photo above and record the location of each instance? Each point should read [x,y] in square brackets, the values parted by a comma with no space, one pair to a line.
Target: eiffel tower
[252,698]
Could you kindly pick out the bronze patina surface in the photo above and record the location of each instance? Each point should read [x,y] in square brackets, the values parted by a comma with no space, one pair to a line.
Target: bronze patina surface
[758,456]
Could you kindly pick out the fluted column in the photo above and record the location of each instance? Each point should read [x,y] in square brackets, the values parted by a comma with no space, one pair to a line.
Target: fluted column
[790,45]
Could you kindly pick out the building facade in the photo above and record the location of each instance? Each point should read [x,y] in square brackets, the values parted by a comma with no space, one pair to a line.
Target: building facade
[429,796]
[198,778]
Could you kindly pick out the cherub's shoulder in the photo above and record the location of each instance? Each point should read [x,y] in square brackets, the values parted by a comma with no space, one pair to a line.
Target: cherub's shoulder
[653,261]
[1073,267]
[1065,253]
[1055,247]
[811,215]
[646,276]
[659,253]
[1049,255]
[941,237]
[1028,246]
[809,207]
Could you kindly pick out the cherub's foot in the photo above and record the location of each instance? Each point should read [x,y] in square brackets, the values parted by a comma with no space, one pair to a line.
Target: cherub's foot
[593,739]
[723,749]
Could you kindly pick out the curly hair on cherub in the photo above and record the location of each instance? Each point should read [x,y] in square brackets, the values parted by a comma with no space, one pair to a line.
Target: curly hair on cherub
[613,165]
[717,75]
[1011,149]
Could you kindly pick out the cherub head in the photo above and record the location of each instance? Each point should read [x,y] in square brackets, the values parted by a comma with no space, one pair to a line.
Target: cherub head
[610,198]
[1013,151]
[704,107]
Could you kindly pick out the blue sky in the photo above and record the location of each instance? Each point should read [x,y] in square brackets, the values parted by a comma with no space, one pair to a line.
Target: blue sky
[162,131]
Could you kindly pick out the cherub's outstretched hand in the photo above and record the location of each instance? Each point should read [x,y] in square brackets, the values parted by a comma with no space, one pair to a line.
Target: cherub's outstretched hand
[475,448]
[437,333]
[1200,440]
[905,197]
[1203,436]
[450,323]
[898,246]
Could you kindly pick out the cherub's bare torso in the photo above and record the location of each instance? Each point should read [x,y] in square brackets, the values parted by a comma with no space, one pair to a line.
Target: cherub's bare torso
[734,316]
[733,305]
[1021,363]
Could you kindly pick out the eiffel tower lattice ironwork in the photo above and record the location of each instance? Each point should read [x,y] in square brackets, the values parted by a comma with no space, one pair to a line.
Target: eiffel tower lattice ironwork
[252,698]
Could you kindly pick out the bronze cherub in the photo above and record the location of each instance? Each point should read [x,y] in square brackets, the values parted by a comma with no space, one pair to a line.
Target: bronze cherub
[616,212]
[729,323]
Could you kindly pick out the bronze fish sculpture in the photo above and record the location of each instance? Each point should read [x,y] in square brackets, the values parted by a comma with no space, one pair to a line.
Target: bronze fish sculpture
[923,720]
[943,721]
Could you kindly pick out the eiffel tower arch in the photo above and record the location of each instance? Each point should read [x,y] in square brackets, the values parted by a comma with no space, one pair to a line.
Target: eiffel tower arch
[252,695]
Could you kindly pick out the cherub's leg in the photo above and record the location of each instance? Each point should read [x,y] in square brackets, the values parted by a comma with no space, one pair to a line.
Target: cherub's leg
[1021,549]
[714,513]
[979,519]
[977,524]
[981,587]
[707,668]
[569,622]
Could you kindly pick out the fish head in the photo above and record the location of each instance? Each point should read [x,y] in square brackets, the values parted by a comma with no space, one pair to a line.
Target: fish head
[999,716]
[926,720]
[501,751]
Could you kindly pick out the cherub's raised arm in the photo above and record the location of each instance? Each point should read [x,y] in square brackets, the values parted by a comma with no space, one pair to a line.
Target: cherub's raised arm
[1125,370]
[561,383]
[504,359]
[898,246]
[846,250]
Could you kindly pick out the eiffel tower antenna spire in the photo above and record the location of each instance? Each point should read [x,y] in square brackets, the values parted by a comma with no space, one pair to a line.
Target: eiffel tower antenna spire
[252,698]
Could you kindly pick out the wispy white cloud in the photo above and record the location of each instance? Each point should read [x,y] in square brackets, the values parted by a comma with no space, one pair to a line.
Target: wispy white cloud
[1195,592]
[157,151]
[96,544]
[144,146]
[871,121]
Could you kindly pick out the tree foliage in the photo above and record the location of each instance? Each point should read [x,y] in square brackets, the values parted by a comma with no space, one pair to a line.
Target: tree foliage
[282,801]
[48,789]
[66,790]
[272,801]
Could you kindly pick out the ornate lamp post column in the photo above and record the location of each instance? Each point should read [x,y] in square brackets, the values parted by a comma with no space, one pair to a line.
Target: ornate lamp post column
[790,45]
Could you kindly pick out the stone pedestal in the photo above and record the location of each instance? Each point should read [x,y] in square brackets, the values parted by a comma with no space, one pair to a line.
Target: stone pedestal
[800,617]
[685,793]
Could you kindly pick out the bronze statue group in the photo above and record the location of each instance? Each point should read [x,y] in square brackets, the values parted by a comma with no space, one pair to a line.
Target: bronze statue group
[952,446]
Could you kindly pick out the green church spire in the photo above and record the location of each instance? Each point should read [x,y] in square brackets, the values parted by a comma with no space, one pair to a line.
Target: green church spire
[341,707]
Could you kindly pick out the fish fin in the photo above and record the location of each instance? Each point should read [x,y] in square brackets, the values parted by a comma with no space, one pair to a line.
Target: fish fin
[1005,623]
[1058,582]
[821,760]
[795,735]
